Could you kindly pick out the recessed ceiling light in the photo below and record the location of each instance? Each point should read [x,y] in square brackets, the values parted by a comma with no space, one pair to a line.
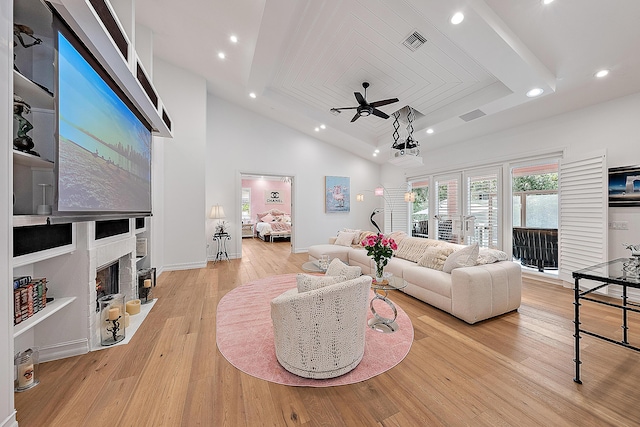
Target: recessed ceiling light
[602,73]
[429,131]
[547,1]
[457,18]
[323,127]
[375,154]
[317,129]
[233,39]
[376,151]
[221,55]
[252,95]
[535,92]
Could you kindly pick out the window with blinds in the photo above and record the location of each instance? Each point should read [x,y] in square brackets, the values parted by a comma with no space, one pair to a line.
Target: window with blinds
[583,197]
[396,213]
[448,224]
[481,221]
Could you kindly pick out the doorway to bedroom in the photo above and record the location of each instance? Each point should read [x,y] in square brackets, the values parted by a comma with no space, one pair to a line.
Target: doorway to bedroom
[266,210]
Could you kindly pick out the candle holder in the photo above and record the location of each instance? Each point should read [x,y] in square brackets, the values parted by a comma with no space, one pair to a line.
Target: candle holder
[26,363]
[146,283]
[112,326]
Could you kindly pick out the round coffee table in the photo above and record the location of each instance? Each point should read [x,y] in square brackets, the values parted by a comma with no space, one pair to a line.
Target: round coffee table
[312,267]
[380,290]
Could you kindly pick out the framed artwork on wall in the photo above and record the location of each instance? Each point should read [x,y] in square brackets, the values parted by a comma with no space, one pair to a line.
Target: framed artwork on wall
[337,194]
[624,186]
[273,197]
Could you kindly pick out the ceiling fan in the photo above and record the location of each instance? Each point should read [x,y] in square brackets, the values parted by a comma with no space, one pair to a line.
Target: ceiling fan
[366,108]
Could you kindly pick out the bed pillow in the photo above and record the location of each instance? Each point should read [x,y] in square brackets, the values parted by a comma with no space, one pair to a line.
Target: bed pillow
[465,257]
[268,218]
[309,282]
[339,268]
[344,238]
[489,256]
[435,257]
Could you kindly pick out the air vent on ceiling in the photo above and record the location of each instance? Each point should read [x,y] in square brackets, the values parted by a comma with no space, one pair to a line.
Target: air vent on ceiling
[472,115]
[414,41]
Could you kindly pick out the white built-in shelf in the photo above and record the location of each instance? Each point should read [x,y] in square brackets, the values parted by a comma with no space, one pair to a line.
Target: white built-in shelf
[29,160]
[51,308]
[34,95]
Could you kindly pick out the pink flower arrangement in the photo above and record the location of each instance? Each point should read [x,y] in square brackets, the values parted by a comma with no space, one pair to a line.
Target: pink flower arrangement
[380,248]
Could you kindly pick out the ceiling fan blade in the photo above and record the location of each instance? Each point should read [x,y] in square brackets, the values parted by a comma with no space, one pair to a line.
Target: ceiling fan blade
[360,98]
[379,113]
[355,117]
[343,108]
[383,102]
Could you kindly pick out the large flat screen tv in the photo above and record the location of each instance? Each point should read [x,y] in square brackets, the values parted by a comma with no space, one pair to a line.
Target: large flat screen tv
[624,186]
[103,163]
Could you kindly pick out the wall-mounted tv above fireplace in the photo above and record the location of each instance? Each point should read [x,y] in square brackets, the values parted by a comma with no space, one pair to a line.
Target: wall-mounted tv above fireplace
[103,163]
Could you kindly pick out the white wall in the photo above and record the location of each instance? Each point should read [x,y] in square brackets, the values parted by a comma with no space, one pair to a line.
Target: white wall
[241,141]
[181,220]
[7,411]
[613,125]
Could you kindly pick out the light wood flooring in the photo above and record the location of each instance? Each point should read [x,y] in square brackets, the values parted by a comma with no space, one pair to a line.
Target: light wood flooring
[515,370]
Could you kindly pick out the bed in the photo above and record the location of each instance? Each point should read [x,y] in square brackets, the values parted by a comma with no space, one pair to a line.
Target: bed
[273,224]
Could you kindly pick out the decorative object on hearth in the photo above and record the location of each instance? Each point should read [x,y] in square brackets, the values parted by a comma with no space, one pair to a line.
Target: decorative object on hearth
[22,142]
[112,328]
[133,307]
[146,283]
[380,248]
[364,107]
[26,363]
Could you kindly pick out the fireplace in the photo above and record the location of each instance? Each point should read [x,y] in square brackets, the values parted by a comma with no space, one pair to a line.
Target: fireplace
[107,280]
[112,271]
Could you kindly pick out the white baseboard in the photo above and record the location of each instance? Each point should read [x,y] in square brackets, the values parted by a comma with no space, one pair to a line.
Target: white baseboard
[65,349]
[10,421]
[186,266]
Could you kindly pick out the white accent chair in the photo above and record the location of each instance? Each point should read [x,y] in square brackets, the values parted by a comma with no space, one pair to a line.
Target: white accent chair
[321,333]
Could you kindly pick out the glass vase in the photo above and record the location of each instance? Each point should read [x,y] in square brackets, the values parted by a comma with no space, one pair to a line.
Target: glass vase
[379,271]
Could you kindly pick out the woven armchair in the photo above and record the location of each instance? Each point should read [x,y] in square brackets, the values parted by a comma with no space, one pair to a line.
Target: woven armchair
[320,333]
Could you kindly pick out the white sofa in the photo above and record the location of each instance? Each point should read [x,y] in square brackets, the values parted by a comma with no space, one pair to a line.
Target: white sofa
[470,293]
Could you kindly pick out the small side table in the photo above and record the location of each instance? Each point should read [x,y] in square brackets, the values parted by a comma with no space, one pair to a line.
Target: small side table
[381,289]
[221,240]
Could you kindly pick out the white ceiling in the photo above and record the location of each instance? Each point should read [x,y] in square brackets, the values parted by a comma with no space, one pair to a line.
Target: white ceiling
[303,57]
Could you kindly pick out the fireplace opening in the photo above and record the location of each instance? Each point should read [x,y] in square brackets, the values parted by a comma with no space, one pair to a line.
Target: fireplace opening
[107,281]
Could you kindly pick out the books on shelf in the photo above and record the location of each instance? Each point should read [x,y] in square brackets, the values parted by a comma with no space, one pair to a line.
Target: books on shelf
[29,297]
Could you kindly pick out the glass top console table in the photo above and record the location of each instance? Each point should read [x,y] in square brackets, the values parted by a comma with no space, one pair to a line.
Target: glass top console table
[622,271]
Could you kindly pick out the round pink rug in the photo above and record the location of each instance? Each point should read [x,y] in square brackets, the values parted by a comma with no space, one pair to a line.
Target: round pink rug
[244,334]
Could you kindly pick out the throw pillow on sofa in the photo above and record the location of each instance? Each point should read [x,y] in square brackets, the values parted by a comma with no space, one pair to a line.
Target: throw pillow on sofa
[435,257]
[465,257]
[344,238]
[339,268]
[309,282]
[489,256]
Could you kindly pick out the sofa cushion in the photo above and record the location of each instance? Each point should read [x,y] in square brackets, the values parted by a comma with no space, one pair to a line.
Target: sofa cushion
[489,256]
[434,257]
[397,236]
[339,268]
[309,282]
[465,257]
[334,251]
[345,238]
[435,281]
[396,266]
[412,248]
